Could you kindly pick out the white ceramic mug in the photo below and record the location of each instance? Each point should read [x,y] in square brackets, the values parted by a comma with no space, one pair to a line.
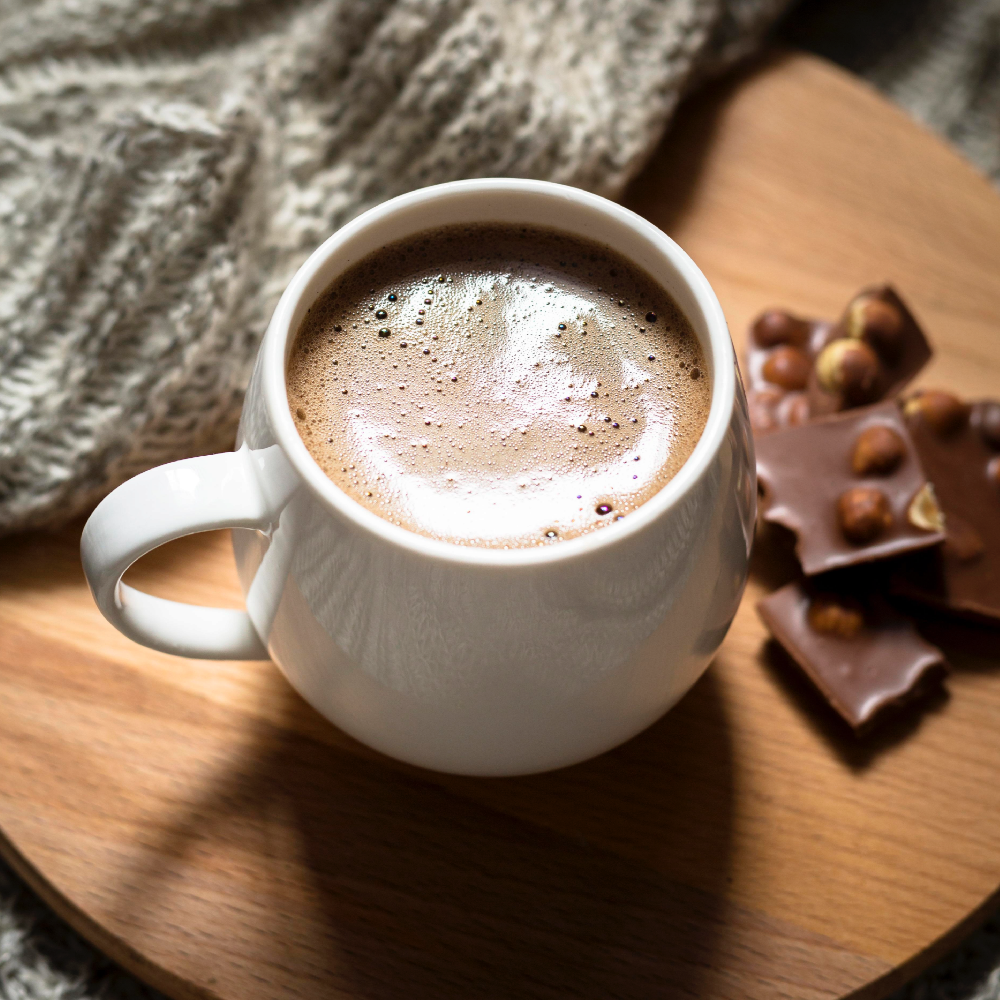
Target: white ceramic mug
[477,661]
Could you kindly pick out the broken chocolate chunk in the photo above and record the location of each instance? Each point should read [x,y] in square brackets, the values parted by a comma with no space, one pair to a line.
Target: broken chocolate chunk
[879,317]
[961,455]
[889,350]
[780,345]
[842,518]
[870,354]
[862,655]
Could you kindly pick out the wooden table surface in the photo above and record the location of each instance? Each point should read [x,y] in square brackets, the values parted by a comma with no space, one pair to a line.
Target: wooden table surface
[207,829]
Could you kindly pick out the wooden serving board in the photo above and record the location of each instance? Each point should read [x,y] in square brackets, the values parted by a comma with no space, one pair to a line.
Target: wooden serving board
[207,829]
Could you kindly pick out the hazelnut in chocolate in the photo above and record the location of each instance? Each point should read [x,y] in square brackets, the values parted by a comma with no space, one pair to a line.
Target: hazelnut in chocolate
[850,370]
[864,514]
[875,318]
[871,353]
[775,327]
[861,654]
[851,488]
[787,367]
[781,352]
[875,349]
[878,450]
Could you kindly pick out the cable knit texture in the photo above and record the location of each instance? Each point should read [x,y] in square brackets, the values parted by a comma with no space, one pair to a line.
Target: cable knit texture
[165,167]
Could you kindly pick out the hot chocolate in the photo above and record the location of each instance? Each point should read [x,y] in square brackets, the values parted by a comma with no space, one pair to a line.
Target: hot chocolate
[498,385]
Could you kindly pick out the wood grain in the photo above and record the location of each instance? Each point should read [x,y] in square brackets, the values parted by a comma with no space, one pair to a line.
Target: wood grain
[210,831]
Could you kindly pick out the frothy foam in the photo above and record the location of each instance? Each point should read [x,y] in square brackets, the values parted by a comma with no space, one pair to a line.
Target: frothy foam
[498,385]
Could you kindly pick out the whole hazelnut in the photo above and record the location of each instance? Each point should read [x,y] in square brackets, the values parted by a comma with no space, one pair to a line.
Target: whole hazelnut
[987,420]
[835,616]
[788,367]
[878,451]
[878,323]
[849,368]
[941,411]
[863,513]
[775,327]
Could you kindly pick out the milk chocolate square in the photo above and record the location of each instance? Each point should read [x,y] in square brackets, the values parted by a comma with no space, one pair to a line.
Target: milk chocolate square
[851,488]
[860,653]
[798,369]
[959,447]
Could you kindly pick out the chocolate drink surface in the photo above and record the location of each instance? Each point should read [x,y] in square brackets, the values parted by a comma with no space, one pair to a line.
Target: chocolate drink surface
[497,385]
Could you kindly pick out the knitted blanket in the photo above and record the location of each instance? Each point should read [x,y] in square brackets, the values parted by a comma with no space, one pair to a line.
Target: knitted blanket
[166,166]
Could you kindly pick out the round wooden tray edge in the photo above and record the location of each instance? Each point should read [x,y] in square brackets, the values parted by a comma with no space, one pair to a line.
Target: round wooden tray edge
[923,960]
[96,934]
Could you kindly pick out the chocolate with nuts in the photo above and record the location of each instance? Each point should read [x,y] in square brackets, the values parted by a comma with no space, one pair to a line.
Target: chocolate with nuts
[849,371]
[798,369]
[861,654]
[850,486]
[874,351]
[781,352]
[959,446]
[878,317]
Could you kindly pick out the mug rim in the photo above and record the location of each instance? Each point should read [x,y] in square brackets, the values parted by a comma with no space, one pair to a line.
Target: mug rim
[273,360]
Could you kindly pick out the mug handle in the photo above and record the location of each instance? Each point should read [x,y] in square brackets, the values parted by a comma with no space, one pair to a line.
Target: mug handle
[196,494]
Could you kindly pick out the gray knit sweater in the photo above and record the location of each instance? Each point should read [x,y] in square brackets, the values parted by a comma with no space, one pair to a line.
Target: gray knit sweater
[165,166]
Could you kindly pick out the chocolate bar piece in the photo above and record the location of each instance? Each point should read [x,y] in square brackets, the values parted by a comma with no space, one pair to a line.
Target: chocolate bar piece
[861,654]
[798,369]
[877,324]
[959,447]
[850,486]
[781,352]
